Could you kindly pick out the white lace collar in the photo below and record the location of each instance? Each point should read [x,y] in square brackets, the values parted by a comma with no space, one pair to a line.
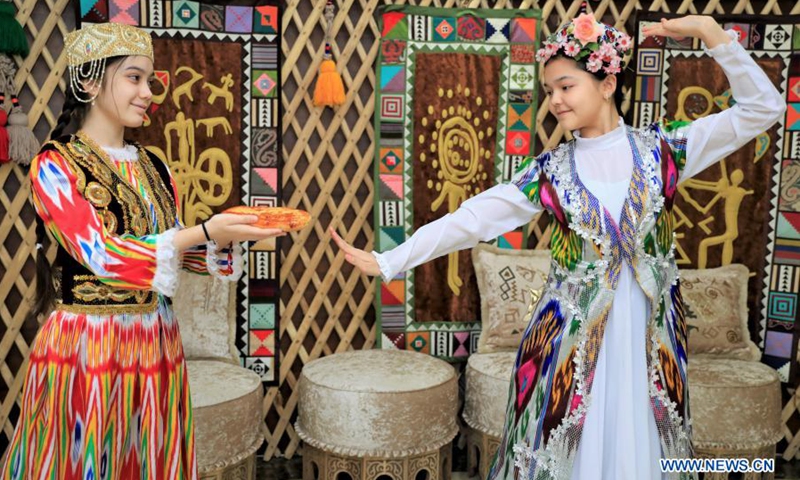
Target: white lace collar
[128,153]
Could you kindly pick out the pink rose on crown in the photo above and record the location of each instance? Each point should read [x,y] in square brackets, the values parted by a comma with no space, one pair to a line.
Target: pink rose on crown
[587,29]
[541,56]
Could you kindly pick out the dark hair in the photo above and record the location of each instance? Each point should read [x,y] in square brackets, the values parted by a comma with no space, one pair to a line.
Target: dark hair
[73,110]
[619,95]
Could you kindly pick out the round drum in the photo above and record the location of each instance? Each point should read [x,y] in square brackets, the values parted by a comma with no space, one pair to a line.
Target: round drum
[226,404]
[378,403]
[488,378]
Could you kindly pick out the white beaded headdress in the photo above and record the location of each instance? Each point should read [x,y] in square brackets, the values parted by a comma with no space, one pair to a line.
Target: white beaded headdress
[88,48]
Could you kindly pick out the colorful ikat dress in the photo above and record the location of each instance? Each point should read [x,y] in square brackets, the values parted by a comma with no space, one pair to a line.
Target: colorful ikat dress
[106,394]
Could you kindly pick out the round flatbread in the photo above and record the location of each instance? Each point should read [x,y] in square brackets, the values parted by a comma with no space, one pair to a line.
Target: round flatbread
[284,218]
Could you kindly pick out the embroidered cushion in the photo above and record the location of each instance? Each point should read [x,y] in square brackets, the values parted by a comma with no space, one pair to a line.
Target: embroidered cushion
[510,283]
[716,312]
[204,307]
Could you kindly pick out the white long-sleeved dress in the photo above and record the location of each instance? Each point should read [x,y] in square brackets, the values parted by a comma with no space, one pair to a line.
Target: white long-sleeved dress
[620,439]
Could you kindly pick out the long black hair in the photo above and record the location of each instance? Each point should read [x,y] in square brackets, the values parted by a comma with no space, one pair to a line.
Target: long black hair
[73,113]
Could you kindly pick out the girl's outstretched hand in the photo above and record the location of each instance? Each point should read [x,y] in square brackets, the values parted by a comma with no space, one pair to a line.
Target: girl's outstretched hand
[360,259]
[225,228]
[698,26]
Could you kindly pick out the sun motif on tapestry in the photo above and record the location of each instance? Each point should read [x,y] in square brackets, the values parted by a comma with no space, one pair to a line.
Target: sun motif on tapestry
[454,149]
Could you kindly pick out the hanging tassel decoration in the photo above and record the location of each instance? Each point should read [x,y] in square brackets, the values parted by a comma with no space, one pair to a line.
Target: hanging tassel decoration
[22,143]
[329,91]
[4,158]
[12,36]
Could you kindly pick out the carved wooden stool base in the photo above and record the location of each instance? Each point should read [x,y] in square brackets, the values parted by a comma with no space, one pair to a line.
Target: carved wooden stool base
[321,465]
[766,452]
[481,448]
[245,469]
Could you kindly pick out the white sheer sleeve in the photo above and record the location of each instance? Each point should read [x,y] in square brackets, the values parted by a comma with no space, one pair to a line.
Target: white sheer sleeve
[483,217]
[758,106]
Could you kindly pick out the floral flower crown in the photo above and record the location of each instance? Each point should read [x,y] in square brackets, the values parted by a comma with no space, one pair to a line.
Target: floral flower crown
[585,39]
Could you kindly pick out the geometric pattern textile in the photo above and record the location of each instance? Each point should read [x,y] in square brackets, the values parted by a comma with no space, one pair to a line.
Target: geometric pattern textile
[746,208]
[455,109]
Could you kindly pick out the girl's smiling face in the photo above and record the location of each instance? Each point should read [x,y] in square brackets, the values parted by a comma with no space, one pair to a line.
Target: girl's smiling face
[576,96]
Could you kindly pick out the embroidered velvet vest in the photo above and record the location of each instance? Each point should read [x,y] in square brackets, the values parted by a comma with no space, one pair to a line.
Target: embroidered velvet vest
[123,211]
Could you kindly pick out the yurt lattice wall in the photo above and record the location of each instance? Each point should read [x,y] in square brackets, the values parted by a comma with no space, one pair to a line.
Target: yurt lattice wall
[41,91]
[328,156]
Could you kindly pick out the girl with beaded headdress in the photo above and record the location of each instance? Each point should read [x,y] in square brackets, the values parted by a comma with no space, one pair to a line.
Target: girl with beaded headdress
[598,389]
[106,392]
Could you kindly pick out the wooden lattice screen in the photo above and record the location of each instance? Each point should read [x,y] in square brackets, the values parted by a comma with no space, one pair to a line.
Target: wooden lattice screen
[41,87]
[328,156]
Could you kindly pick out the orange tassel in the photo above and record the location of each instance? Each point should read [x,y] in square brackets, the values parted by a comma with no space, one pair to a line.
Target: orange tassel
[329,91]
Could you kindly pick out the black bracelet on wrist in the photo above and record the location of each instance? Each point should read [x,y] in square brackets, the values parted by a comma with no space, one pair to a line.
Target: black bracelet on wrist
[208,238]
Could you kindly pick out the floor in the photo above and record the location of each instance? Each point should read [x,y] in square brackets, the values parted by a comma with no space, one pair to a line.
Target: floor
[291,469]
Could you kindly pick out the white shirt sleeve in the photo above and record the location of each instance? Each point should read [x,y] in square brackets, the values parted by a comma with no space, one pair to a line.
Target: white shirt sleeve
[483,217]
[758,106]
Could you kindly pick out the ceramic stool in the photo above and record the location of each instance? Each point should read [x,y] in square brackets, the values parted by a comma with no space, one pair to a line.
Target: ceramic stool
[736,411]
[226,407]
[488,378]
[388,414]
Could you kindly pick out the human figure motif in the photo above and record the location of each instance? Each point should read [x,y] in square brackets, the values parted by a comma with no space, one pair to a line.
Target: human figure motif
[733,194]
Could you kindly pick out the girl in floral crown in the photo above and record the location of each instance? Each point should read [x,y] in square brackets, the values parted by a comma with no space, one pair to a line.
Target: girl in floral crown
[598,389]
[106,393]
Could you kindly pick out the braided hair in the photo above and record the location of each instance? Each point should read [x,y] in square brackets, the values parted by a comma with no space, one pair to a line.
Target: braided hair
[74,110]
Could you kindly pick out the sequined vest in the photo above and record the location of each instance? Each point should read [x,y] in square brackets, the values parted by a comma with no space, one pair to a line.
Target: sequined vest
[123,212]
[589,250]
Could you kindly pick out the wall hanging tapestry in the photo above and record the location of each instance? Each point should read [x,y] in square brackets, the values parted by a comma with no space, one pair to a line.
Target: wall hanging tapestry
[215,120]
[745,209]
[454,115]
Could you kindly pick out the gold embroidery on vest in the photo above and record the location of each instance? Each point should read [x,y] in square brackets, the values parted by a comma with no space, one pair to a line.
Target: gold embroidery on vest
[109,220]
[134,215]
[83,155]
[98,195]
[160,194]
[92,290]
